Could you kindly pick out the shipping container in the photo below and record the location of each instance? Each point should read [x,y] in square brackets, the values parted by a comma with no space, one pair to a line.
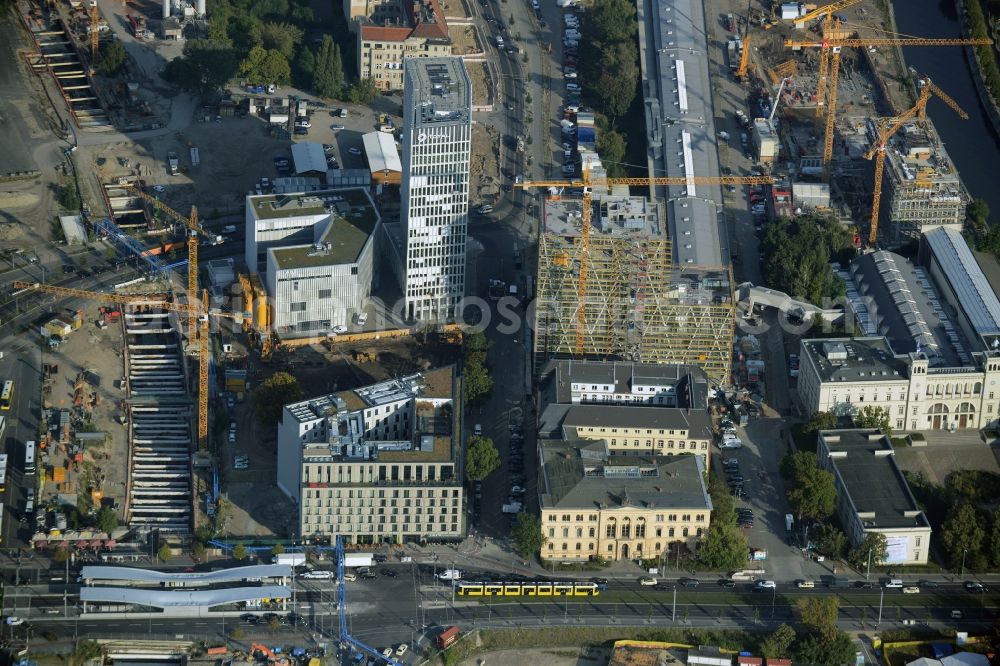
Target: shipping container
[446,637]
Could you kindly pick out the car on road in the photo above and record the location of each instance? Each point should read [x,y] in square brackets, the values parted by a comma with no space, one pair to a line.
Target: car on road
[477,429]
[731,444]
[14,621]
[929,584]
[805,584]
[647,581]
[401,650]
[688,582]
[864,585]
[725,582]
[379,558]
[911,589]
[354,151]
[973,586]
[517,490]
[765,585]
[336,128]
[599,581]
[389,573]
[303,123]
[159,189]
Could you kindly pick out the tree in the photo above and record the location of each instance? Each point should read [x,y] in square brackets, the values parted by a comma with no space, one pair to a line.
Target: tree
[874,543]
[962,533]
[240,552]
[618,83]
[277,549]
[724,546]
[481,458]
[871,416]
[164,552]
[106,520]
[994,545]
[273,394]
[796,465]
[60,555]
[723,504]
[69,198]
[328,74]
[84,652]
[266,66]
[832,541]
[281,37]
[819,615]
[611,147]
[779,643]
[814,495]
[797,253]
[819,421]
[837,651]
[305,67]
[113,59]
[198,551]
[527,535]
[204,67]
[477,383]
[978,212]
[362,91]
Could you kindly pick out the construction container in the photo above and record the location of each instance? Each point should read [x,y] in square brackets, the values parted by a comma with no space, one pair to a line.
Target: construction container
[58,474]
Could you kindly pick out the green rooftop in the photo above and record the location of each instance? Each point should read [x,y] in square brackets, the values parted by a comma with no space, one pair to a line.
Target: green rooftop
[352,222]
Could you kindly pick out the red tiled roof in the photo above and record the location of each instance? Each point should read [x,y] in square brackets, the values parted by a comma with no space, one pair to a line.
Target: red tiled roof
[384,34]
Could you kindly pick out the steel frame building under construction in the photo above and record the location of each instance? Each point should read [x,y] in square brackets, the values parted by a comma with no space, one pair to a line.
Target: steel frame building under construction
[639,305]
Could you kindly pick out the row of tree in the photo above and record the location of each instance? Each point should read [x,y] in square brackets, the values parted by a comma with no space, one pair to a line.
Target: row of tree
[724,546]
[263,43]
[987,57]
[819,642]
[476,379]
[869,416]
[963,514]
[797,253]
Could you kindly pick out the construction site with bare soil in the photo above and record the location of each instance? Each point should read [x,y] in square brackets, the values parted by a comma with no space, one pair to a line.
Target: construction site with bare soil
[829,106]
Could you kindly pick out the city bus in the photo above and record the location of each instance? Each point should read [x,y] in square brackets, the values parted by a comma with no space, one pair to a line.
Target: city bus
[3,473]
[29,457]
[7,396]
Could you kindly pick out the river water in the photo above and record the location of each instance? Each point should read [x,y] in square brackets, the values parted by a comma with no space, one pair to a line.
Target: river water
[972,144]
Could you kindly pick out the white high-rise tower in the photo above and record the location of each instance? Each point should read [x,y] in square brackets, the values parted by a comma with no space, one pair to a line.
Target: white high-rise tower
[437,134]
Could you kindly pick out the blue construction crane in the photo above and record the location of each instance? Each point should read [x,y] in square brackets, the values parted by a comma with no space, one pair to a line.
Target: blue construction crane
[345,636]
[106,229]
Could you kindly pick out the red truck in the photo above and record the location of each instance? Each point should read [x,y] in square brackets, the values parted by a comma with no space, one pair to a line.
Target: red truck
[447,637]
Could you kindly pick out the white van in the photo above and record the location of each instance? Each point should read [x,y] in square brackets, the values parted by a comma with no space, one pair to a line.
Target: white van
[450,574]
[893,583]
[319,574]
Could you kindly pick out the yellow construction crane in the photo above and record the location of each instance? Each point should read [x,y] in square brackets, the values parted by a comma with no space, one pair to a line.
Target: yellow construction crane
[835,45]
[587,184]
[197,310]
[193,229]
[741,71]
[889,126]
[94,33]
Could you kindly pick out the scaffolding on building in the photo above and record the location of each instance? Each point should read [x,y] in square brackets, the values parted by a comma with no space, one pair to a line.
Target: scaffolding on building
[639,305]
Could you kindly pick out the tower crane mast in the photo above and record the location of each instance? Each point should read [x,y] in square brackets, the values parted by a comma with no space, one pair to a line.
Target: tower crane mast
[887,127]
[587,184]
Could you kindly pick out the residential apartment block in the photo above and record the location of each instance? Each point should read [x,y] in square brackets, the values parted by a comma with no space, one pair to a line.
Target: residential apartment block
[595,505]
[392,32]
[437,132]
[376,464]
[872,494]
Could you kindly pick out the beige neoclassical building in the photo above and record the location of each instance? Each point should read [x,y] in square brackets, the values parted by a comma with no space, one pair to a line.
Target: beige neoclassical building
[619,507]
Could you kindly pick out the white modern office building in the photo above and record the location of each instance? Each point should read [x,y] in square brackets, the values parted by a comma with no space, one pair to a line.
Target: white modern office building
[437,131]
[314,253]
